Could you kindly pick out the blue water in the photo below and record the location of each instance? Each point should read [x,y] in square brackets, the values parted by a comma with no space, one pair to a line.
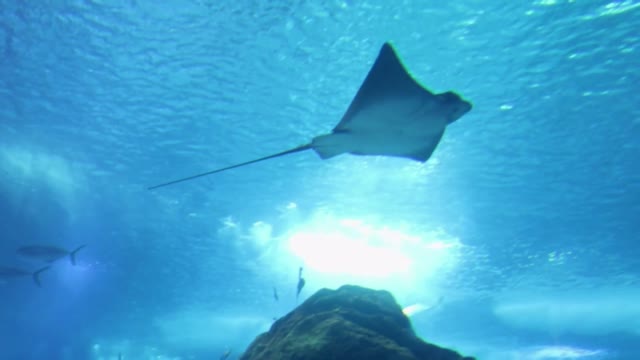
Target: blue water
[518,239]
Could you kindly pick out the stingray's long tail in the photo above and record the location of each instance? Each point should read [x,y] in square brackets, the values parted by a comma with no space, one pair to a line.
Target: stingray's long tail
[291,151]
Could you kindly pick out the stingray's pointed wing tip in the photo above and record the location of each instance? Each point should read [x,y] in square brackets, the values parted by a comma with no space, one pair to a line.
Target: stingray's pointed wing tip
[458,106]
[387,50]
[387,46]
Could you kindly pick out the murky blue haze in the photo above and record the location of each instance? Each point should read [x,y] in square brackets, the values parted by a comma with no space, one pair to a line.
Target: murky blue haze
[518,239]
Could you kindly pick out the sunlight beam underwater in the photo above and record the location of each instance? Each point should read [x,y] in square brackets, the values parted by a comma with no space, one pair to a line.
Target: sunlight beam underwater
[391,115]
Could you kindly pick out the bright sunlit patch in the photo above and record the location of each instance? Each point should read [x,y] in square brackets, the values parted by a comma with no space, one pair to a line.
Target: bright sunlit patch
[31,169]
[335,252]
[229,223]
[414,309]
[546,2]
[613,8]
[261,233]
[44,166]
[418,308]
[563,352]
[352,247]
[410,262]
[619,7]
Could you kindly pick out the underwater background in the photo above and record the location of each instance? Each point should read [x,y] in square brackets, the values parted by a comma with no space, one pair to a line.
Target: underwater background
[518,239]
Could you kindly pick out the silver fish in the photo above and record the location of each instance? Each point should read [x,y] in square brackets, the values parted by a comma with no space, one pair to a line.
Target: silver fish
[301,283]
[225,355]
[7,272]
[48,253]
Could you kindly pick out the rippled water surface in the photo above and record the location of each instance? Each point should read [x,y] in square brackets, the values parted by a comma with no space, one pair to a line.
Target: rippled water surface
[518,239]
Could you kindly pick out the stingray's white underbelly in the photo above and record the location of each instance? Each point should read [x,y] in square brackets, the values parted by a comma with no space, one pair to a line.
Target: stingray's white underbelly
[403,114]
[372,143]
[397,127]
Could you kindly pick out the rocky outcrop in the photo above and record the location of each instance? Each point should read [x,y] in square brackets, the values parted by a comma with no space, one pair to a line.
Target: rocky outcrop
[346,324]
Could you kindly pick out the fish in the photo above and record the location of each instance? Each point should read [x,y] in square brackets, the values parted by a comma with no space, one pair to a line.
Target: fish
[415,309]
[391,115]
[225,355]
[301,283]
[275,294]
[7,272]
[48,253]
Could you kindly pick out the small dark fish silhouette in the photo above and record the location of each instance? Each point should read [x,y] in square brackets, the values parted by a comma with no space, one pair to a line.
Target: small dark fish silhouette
[225,355]
[48,253]
[301,283]
[275,294]
[7,272]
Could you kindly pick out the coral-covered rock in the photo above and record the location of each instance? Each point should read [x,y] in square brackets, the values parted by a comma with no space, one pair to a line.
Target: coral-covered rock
[349,323]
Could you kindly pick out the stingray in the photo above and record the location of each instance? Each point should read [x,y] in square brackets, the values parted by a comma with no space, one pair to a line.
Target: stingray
[391,115]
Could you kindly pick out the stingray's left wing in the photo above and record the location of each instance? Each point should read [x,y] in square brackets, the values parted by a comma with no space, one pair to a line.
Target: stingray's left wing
[387,79]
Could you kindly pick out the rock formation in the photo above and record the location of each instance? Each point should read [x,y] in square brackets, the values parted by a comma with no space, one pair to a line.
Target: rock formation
[350,323]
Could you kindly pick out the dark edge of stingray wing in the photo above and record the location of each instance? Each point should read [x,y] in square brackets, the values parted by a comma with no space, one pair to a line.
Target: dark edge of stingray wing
[425,153]
[387,77]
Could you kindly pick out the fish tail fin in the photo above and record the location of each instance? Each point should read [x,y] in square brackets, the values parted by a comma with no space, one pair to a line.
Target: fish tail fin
[72,255]
[36,275]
